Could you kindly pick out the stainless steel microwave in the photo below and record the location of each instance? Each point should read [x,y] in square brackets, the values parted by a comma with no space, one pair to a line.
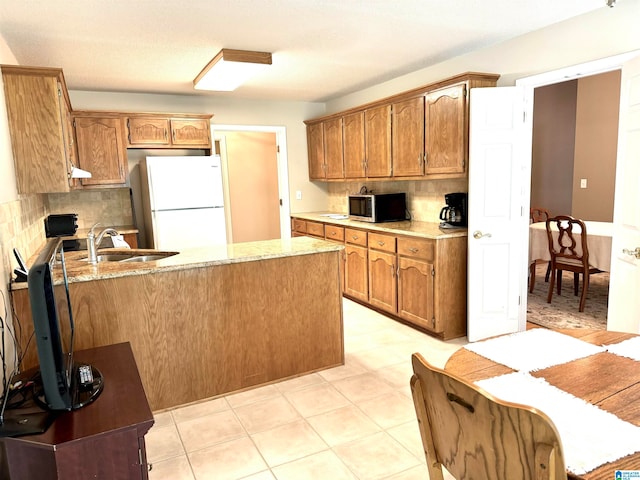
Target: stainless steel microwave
[381,207]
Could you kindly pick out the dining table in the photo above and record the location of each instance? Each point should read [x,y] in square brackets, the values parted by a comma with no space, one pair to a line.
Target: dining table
[599,237]
[600,369]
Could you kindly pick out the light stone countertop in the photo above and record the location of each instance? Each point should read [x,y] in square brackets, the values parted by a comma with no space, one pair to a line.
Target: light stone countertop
[409,228]
[79,270]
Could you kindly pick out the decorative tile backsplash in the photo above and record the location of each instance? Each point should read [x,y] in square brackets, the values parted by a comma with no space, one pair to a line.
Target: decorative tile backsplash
[425,198]
[111,206]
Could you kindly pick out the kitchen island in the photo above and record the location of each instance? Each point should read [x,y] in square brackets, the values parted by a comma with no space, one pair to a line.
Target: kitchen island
[209,321]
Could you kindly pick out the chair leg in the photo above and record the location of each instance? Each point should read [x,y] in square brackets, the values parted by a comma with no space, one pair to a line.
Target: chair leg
[532,276]
[552,278]
[576,281]
[585,287]
[546,275]
[559,280]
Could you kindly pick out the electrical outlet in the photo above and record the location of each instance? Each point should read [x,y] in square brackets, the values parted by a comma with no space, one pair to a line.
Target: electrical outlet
[583,183]
[298,194]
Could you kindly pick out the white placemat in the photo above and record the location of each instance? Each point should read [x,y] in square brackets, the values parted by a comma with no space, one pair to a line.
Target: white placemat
[628,348]
[533,349]
[590,436]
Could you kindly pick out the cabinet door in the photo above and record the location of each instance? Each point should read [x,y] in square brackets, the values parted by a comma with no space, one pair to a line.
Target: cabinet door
[377,123]
[355,283]
[382,280]
[34,106]
[191,132]
[353,145]
[333,148]
[101,150]
[315,148]
[416,292]
[148,131]
[408,137]
[445,130]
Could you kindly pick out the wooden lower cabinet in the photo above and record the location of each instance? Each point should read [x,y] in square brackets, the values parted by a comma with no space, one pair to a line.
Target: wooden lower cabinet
[382,280]
[356,277]
[416,292]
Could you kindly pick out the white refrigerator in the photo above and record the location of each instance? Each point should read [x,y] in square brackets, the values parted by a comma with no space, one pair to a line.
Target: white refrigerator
[183,202]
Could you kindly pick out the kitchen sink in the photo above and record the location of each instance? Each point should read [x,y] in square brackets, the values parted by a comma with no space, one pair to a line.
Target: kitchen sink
[131,256]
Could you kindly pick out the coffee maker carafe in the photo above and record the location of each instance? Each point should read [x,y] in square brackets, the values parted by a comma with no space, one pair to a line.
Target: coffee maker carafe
[455,213]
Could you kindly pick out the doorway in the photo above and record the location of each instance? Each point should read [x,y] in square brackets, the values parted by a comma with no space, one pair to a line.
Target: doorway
[256,181]
[575,135]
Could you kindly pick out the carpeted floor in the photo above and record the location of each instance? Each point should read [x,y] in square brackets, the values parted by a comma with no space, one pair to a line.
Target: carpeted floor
[562,312]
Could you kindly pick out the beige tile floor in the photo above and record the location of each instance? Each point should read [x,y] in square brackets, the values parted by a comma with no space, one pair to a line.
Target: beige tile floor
[351,422]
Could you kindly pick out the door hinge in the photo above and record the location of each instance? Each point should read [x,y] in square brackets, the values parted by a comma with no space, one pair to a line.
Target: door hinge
[524,116]
[278,148]
[280,202]
[433,272]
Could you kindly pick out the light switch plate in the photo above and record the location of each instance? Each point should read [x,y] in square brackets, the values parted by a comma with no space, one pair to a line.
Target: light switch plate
[583,183]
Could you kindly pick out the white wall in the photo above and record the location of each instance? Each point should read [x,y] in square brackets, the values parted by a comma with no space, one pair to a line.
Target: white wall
[601,33]
[228,111]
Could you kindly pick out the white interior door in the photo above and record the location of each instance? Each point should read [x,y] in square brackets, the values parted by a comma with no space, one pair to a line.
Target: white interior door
[496,265]
[624,307]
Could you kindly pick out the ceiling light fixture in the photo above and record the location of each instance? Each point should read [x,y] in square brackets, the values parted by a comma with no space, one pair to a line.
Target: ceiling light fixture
[230,68]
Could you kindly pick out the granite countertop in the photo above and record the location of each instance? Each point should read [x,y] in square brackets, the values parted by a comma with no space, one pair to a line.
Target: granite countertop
[409,228]
[79,270]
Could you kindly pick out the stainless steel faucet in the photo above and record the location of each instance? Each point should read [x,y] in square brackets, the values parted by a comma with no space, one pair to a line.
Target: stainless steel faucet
[93,243]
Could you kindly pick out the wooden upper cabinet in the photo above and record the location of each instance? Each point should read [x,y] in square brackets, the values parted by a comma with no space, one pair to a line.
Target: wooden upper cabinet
[315,147]
[333,148]
[37,110]
[145,131]
[377,127]
[445,123]
[167,132]
[191,132]
[353,145]
[408,137]
[101,149]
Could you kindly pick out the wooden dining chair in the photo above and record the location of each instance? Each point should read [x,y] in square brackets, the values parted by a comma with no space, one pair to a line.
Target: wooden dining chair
[538,214]
[475,435]
[569,252]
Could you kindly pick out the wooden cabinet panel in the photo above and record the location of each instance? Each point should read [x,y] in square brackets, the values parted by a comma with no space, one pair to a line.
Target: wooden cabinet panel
[167,131]
[377,123]
[416,248]
[333,148]
[383,242]
[315,147]
[356,237]
[191,132]
[145,131]
[382,280]
[315,229]
[299,226]
[446,130]
[356,276]
[408,137]
[101,149]
[332,232]
[416,293]
[37,109]
[353,145]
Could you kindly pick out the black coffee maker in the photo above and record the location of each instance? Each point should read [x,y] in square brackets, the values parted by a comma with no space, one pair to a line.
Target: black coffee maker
[454,215]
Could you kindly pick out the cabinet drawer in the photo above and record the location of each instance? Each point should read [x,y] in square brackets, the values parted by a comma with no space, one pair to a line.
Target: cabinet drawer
[331,232]
[380,241]
[416,248]
[299,226]
[315,229]
[356,237]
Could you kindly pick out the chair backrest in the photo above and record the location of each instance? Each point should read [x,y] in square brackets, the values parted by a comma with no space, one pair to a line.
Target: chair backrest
[476,436]
[538,214]
[567,237]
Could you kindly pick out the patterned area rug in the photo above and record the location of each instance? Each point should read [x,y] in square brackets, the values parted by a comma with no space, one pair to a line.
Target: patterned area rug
[562,312]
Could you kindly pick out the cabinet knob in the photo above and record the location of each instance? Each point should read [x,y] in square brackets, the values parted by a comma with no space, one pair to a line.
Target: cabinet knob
[380,242]
[414,250]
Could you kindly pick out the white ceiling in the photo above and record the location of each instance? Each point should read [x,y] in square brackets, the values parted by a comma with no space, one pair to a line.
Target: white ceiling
[322,49]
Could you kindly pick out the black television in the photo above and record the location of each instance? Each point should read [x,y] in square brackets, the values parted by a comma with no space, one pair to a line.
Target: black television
[66,385]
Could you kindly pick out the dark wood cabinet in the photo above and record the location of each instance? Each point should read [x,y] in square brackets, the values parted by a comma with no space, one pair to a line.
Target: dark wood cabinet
[103,440]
